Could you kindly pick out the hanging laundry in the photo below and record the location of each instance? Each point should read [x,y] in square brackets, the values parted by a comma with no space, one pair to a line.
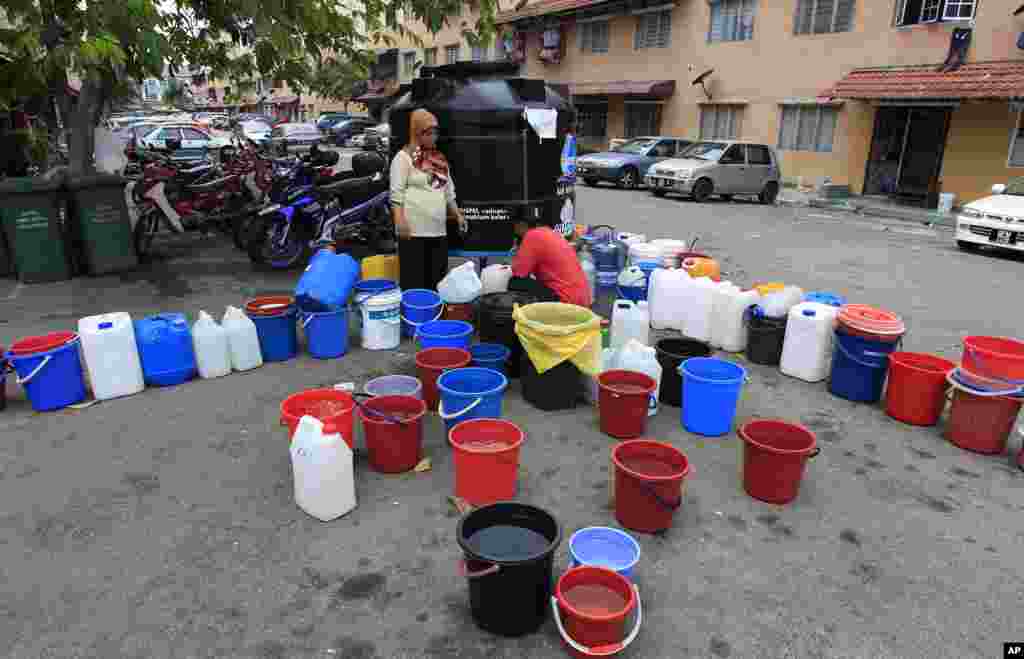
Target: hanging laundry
[959,43]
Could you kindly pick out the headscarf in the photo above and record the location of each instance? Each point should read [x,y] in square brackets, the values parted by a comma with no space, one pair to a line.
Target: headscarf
[429,161]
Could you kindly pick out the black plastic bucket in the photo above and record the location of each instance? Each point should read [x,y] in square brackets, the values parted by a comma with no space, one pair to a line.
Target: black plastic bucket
[495,323]
[765,339]
[509,590]
[671,353]
[558,388]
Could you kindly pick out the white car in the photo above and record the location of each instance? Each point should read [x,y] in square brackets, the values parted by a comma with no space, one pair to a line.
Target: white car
[996,221]
[191,137]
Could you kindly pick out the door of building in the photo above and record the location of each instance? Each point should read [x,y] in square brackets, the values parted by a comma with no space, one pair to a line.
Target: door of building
[906,153]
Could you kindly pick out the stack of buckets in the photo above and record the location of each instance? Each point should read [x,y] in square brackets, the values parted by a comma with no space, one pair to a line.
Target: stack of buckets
[274,317]
[865,336]
[988,390]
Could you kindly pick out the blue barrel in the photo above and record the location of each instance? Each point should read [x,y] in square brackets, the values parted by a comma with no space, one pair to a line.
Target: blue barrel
[859,366]
[445,334]
[326,333]
[490,355]
[165,349]
[603,546]
[419,306]
[822,297]
[53,378]
[278,334]
[711,392]
[470,393]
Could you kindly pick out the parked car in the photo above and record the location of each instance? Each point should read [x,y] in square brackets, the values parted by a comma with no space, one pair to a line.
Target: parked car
[724,168]
[195,142]
[343,130]
[294,138]
[328,119]
[377,137]
[356,141]
[256,132]
[627,165]
[996,220]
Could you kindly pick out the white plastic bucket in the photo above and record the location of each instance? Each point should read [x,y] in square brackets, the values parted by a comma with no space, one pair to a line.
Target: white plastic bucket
[382,318]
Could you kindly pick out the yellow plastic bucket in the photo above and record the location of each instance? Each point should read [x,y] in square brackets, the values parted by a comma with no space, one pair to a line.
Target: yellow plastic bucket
[382,266]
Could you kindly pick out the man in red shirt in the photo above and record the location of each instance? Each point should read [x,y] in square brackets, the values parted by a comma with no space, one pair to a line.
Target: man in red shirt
[545,254]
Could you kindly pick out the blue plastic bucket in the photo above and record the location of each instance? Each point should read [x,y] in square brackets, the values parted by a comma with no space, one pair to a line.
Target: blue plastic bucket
[490,355]
[859,366]
[419,306]
[603,546]
[444,334]
[822,297]
[470,393]
[326,333]
[278,334]
[711,391]
[53,378]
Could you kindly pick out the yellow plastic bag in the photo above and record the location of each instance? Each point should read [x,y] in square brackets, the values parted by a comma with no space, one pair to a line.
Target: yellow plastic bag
[552,332]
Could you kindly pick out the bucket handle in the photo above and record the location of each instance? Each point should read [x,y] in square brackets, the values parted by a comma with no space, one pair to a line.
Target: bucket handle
[464,570]
[867,353]
[440,312]
[27,379]
[448,417]
[601,650]
[977,356]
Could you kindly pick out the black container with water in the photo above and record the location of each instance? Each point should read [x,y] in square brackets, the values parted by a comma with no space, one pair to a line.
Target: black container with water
[509,550]
[765,338]
[671,353]
[558,388]
[496,325]
[502,170]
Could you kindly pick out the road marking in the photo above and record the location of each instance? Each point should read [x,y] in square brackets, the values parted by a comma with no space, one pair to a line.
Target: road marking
[827,217]
[17,291]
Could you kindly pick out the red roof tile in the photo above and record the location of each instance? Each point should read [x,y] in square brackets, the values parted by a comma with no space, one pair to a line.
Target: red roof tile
[544,8]
[975,80]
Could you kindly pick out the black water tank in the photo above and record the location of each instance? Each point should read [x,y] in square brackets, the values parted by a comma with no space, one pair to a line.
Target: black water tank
[502,170]
[495,323]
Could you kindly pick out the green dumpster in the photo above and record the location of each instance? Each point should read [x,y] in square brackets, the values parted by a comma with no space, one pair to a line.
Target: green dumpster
[34,221]
[100,224]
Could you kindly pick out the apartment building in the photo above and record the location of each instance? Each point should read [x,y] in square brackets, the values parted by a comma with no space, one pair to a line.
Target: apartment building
[850,90]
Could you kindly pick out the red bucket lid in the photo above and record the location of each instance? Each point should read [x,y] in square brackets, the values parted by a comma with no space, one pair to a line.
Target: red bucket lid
[872,320]
[34,344]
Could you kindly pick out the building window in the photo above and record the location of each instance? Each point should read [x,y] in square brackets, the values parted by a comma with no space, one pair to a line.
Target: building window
[408,64]
[823,16]
[430,57]
[642,119]
[914,12]
[807,128]
[958,10]
[451,54]
[593,37]
[653,30]
[720,122]
[479,53]
[1016,158]
[591,120]
[732,20]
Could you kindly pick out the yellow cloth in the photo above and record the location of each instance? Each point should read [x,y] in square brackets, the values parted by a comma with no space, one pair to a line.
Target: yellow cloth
[553,332]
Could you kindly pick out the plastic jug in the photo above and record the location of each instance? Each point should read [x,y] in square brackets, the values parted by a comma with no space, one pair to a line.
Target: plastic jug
[213,352]
[734,329]
[635,356]
[721,294]
[243,340]
[644,253]
[165,349]
[669,249]
[111,355]
[807,348]
[778,303]
[495,278]
[630,321]
[322,470]
[666,291]
[697,310]
[327,282]
[633,284]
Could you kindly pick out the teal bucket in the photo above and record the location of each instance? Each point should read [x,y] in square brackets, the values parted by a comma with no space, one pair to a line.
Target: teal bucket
[52,379]
[470,393]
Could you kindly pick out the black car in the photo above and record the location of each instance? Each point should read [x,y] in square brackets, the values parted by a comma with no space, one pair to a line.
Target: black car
[343,130]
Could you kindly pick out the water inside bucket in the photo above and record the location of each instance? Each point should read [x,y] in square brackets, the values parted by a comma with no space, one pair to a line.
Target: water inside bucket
[595,599]
[507,543]
[324,409]
[648,466]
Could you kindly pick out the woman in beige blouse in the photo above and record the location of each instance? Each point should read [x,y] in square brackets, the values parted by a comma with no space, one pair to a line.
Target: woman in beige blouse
[422,201]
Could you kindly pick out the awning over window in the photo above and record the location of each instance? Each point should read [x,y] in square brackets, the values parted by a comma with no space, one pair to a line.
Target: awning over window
[545,8]
[651,88]
[981,80]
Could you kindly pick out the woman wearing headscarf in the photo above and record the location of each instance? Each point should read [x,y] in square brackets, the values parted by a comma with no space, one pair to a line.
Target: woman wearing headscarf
[422,201]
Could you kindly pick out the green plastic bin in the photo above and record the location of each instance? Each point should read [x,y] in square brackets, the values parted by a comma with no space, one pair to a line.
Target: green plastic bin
[34,219]
[100,223]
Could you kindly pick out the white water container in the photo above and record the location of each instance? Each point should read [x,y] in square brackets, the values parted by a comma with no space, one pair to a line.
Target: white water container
[629,321]
[778,304]
[697,311]
[644,253]
[734,330]
[666,294]
[670,249]
[212,347]
[590,391]
[243,340]
[111,355]
[807,348]
[644,359]
[720,296]
[495,278]
[322,470]
[382,320]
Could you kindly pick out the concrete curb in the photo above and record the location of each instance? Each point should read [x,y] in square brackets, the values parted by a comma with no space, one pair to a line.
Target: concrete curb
[910,215]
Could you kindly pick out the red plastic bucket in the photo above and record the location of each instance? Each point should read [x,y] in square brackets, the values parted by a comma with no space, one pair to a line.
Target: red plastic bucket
[649,484]
[430,363]
[393,447]
[486,459]
[916,393]
[591,606]
[327,405]
[994,357]
[33,344]
[981,423]
[774,455]
[466,311]
[623,397]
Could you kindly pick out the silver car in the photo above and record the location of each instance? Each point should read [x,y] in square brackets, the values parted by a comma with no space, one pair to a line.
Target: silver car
[720,167]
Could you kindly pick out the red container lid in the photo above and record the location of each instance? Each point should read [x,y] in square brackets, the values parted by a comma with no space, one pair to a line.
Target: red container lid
[872,320]
[34,344]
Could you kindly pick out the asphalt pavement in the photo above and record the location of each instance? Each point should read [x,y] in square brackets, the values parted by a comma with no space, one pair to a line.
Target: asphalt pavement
[163,524]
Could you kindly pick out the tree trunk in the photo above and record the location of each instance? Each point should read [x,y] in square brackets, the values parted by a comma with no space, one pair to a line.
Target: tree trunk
[82,128]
